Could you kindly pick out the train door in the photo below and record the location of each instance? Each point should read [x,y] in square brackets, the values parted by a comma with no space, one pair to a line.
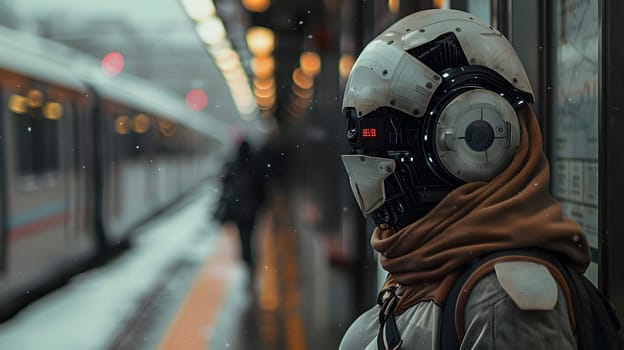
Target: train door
[575,114]
[112,127]
[611,145]
[76,228]
[67,169]
[84,165]
[35,198]
[70,168]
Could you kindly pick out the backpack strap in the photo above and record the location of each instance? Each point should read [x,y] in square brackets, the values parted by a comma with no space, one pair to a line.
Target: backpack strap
[452,325]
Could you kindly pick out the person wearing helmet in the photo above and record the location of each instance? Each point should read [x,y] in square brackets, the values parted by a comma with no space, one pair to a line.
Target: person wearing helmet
[448,162]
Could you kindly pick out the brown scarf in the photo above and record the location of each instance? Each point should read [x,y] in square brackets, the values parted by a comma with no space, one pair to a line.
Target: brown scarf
[513,210]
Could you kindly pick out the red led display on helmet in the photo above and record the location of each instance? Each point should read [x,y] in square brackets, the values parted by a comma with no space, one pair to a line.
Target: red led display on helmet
[369,132]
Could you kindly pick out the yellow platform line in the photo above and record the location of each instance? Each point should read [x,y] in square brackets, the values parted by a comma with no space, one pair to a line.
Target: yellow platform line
[279,294]
[295,337]
[192,326]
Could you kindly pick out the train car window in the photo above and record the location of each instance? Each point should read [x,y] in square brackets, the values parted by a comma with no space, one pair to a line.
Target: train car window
[123,139]
[48,147]
[575,114]
[141,129]
[168,136]
[36,123]
[133,132]
[24,126]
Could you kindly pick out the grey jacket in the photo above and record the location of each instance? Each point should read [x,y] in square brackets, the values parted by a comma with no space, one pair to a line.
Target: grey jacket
[493,320]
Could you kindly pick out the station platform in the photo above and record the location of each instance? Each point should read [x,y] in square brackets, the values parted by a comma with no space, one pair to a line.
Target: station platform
[182,285]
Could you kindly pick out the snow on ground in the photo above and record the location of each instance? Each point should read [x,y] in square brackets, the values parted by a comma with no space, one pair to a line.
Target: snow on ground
[92,307]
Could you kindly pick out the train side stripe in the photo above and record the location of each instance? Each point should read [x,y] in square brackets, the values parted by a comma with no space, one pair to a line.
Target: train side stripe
[35,220]
[191,328]
[36,226]
[37,214]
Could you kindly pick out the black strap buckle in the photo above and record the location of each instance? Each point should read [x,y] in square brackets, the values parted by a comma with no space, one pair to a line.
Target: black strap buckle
[388,337]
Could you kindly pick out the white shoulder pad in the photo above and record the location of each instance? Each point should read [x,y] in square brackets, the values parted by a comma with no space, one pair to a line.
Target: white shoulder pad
[530,285]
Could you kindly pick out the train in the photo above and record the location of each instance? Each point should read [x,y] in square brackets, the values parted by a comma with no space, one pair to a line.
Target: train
[86,158]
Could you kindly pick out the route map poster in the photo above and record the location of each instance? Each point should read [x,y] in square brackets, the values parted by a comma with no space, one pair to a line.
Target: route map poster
[574,126]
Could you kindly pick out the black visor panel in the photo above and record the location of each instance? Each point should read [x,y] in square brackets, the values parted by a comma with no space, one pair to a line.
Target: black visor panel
[385,129]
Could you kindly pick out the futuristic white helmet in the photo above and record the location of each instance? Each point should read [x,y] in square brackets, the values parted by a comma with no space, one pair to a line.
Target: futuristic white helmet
[431,104]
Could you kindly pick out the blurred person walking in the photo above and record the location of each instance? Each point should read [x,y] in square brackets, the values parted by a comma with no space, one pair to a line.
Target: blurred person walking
[242,197]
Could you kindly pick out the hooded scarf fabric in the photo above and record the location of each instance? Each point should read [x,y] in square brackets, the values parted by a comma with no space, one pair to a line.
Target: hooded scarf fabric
[512,211]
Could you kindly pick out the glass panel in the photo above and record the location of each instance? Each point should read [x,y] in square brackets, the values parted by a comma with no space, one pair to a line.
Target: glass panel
[482,9]
[25,130]
[37,140]
[47,146]
[575,101]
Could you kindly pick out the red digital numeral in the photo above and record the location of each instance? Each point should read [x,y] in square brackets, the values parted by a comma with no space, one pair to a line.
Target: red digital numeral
[369,132]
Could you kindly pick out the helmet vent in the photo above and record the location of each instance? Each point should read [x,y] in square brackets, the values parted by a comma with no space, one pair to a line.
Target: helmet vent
[442,53]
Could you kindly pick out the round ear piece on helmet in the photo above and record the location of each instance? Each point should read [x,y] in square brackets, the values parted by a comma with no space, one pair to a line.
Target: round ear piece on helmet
[477,135]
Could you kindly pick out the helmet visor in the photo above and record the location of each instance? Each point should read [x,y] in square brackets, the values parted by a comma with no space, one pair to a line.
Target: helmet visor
[367,175]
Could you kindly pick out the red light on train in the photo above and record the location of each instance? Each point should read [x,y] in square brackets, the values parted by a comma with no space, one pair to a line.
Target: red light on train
[196,99]
[369,132]
[112,63]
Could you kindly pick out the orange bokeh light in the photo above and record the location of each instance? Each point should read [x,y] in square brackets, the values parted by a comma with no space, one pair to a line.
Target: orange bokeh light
[263,66]
[310,62]
[302,80]
[256,5]
[261,41]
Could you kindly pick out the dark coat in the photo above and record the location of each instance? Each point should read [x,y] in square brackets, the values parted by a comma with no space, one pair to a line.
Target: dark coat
[242,189]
